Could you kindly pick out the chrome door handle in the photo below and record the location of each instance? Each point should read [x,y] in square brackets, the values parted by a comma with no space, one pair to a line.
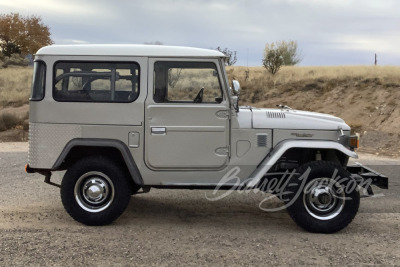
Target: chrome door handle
[158,130]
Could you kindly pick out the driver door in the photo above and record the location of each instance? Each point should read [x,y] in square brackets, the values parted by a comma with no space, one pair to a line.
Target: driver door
[186,115]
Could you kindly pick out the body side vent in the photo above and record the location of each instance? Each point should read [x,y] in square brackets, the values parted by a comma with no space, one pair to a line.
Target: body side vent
[275,115]
[262,140]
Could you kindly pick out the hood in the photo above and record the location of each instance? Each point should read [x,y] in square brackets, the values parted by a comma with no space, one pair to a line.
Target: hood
[294,119]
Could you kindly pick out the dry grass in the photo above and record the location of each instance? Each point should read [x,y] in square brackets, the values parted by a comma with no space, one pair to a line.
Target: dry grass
[15,82]
[15,85]
[189,82]
[11,120]
[259,85]
[292,74]
[366,97]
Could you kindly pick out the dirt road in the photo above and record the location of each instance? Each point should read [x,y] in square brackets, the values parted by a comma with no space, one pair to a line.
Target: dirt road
[181,227]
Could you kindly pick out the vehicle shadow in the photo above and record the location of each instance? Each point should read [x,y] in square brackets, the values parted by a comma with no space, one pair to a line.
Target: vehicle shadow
[185,207]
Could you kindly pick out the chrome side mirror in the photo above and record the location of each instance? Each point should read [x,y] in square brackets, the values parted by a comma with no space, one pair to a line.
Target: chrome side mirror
[235,98]
[236,87]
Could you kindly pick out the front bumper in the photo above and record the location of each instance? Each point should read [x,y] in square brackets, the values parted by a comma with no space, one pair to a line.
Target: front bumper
[365,177]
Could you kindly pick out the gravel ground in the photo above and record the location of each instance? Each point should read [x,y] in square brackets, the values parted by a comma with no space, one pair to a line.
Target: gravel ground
[181,227]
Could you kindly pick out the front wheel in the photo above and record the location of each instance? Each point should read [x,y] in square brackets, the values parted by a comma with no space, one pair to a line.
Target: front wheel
[94,191]
[323,197]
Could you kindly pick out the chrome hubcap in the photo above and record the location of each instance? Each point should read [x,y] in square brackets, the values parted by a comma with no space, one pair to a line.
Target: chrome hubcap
[94,191]
[324,198]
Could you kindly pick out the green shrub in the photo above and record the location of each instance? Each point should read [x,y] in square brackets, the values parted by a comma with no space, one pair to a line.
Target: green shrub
[8,121]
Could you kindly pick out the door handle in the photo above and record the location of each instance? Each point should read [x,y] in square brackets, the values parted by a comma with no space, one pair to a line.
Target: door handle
[158,130]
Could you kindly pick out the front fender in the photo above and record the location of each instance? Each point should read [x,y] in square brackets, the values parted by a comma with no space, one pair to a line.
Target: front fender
[284,146]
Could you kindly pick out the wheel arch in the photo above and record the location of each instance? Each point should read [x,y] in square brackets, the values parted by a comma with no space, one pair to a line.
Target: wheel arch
[82,147]
[280,149]
[302,145]
[302,155]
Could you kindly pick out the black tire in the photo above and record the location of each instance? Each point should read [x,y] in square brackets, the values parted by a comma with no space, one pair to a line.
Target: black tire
[326,200]
[95,191]
[135,189]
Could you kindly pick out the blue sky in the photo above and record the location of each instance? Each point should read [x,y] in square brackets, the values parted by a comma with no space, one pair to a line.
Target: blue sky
[340,32]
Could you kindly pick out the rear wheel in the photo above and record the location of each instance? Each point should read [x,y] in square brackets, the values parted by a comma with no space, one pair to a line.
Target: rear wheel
[323,197]
[95,191]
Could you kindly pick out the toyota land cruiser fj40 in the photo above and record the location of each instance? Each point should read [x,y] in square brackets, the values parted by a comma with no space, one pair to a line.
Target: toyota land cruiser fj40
[121,119]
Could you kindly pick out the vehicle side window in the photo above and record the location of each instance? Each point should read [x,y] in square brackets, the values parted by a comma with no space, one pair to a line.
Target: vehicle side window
[96,82]
[38,81]
[187,82]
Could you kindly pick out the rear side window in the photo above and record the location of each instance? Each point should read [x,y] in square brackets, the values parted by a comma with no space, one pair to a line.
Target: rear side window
[96,82]
[38,81]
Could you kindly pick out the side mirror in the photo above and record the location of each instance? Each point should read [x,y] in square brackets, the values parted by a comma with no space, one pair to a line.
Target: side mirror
[235,98]
[236,87]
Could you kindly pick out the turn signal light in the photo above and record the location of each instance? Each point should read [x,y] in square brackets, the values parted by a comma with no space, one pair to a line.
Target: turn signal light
[354,141]
[28,169]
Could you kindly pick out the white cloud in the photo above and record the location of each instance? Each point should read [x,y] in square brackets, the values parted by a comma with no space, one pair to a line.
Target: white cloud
[386,44]
[52,8]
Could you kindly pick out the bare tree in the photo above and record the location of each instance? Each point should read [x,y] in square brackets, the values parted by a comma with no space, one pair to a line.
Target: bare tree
[230,56]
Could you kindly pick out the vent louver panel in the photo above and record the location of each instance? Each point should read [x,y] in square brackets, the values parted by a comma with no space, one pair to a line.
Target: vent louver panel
[275,115]
[262,140]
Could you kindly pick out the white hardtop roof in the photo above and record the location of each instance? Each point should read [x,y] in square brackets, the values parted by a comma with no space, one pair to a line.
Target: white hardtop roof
[127,50]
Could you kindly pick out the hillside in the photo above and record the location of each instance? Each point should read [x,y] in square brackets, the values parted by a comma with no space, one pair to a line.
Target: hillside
[367,98]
